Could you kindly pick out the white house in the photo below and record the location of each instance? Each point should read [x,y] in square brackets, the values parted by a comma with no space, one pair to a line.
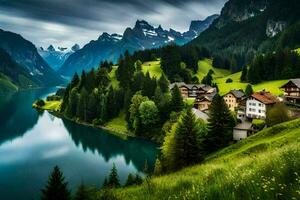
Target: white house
[242,130]
[258,104]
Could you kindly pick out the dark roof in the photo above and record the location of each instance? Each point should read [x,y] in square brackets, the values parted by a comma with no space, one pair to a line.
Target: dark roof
[191,86]
[265,97]
[200,115]
[237,93]
[294,81]
[243,126]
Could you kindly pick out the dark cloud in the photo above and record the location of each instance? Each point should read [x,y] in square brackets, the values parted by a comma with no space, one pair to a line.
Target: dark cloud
[44,21]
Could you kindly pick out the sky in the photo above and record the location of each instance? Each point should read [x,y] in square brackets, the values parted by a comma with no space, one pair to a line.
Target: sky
[66,22]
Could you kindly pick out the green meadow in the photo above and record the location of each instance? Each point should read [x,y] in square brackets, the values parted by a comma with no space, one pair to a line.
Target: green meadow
[241,171]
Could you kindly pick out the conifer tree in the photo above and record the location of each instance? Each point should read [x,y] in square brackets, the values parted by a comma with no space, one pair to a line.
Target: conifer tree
[176,100]
[56,188]
[248,90]
[188,138]
[113,180]
[82,80]
[82,105]
[81,193]
[220,124]
[130,180]
[105,183]
[163,83]
[75,80]
[244,74]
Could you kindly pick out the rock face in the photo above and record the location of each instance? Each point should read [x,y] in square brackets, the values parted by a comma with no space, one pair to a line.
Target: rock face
[237,11]
[141,36]
[26,55]
[275,27]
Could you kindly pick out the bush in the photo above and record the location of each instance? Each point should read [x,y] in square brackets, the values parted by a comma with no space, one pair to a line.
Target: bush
[53,98]
[229,80]
[40,103]
[277,114]
[258,124]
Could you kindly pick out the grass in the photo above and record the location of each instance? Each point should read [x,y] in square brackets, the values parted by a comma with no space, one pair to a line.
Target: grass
[263,166]
[205,65]
[50,106]
[6,85]
[113,78]
[271,86]
[153,68]
[118,124]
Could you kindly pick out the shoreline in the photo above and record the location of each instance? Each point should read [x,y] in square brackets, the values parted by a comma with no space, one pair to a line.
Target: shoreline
[123,135]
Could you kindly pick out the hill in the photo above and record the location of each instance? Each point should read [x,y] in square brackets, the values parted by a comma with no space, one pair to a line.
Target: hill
[247,27]
[205,65]
[25,54]
[240,171]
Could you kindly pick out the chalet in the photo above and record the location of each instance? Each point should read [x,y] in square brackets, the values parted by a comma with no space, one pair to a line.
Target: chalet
[233,99]
[203,103]
[292,91]
[193,90]
[242,130]
[258,104]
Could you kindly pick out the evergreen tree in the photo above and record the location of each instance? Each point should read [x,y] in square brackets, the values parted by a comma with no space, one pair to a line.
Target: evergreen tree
[82,80]
[130,180]
[220,124]
[105,183]
[113,180]
[138,179]
[163,83]
[75,80]
[56,188]
[138,65]
[244,74]
[249,90]
[177,103]
[72,103]
[81,193]
[184,145]
[82,105]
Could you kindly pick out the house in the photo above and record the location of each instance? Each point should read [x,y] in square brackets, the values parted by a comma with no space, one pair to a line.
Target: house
[203,103]
[200,115]
[292,91]
[233,99]
[242,130]
[193,90]
[258,104]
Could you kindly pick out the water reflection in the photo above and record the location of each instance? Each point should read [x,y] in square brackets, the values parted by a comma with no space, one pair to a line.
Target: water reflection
[31,143]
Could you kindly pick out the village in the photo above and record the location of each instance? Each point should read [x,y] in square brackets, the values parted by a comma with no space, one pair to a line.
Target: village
[251,111]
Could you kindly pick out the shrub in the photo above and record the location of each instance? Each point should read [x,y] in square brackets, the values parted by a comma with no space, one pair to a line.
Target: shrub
[259,124]
[229,80]
[277,114]
[40,103]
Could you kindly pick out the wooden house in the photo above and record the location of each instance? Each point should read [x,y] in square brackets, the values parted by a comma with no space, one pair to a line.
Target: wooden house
[292,91]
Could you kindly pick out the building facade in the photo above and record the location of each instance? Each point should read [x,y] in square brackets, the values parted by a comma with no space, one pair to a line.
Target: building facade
[258,104]
[292,91]
[233,99]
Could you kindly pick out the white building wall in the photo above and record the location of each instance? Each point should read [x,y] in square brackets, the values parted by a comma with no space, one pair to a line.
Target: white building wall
[255,109]
[239,134]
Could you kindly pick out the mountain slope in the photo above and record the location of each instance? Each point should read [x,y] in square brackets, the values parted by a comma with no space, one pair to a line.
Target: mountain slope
[13,76]
[141,36]
[245,27]
[263,166]
[25,54]
[56,58]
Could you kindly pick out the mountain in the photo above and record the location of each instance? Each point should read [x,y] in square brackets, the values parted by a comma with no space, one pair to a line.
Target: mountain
[141,36]
[246,27]
[25,54]
[56,58]
[13,76]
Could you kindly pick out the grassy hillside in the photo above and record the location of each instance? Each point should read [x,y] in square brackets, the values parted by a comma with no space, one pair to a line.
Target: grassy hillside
[153,68]
[272,86]
[241,171]
[6,85]
[205,65]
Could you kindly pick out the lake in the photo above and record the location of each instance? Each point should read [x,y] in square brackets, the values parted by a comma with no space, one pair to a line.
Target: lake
[32,143]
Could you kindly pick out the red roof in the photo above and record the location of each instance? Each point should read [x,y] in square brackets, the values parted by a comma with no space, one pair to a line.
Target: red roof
[265,97]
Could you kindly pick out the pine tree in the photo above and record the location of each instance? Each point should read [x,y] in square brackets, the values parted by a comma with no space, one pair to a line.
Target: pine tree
[163,83]
[249,90]
[81,193]
[56,188]
[244,74]
[72,103]
[82,105]
[105,183]
[130,180]
[220,124]
[75,80]
[188,138]
[177,103]
[113,180]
